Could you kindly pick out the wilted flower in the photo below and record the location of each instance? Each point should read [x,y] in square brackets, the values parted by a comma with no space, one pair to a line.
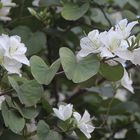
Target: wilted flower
[84,123]
[64,112]
[5,7]
[12,53]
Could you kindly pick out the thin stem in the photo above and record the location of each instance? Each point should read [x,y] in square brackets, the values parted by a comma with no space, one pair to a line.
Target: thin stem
[2,93]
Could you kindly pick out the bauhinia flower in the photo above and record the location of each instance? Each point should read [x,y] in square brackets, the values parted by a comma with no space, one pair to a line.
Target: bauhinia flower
[64,112]
[123,28]
[90,44]
[116,42]
[36,3]
[84,123]
[12,53]
[5,7]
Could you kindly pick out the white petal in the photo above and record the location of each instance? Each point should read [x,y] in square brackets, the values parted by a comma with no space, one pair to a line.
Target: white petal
[90,128]
[22,59]
[84,129]
[67,112]
[136,59]
[125,54]
[131,25]
[93,34]
[126,82]
[86,117]
[106,53]
[77,116]
[12,66]
[58,114]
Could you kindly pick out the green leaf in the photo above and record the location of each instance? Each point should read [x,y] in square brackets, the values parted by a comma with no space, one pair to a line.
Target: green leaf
[34,42]
[112,73]
[80,135]
[12,119]
[41,72]
[28,112]
[13,83]
[78,71]
[53,135]
[49,2]
[8,135]
[71,11]
[30,93]
[42,130]
[47,106]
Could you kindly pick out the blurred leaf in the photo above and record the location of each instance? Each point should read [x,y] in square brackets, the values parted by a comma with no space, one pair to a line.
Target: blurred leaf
[98,17]
[129,15]
[12,119]
[47,106]
[49,2]
[53,135]
[8,135]
[112,73]
[126,107]
[42,130]
[41,72]
[30,93]
[28,112]
[72,11]
[80,135]
[78,71]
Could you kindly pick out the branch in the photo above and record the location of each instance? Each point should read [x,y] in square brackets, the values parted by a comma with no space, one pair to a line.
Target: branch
[2,93]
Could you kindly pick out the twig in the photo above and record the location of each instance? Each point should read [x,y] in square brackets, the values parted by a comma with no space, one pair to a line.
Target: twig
[6,92]
[108,110]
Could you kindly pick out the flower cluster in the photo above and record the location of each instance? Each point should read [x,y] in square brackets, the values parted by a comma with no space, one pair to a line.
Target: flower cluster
[65,112]
[117,43]
[12,53]
[5,7]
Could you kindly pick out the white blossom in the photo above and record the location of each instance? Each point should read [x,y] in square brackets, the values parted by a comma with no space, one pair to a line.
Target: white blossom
[123,28]
[84,123]
[36,3]
[126,82]
[90,44]
[6,6]
[64,112]
[111,44]
[12,53]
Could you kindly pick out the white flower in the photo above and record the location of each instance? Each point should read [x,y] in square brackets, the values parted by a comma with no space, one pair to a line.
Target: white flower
[123,28]
[36,3]
[84,123]
[90,44]
[64,112]
[12,53]
[111,41]
[2,98]
[126,82]
[6,6]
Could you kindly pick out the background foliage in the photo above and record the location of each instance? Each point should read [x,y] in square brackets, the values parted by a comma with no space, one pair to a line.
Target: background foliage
[58,24]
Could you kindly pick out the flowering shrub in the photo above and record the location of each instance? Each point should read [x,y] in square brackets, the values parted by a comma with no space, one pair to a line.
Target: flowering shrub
[69,70]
